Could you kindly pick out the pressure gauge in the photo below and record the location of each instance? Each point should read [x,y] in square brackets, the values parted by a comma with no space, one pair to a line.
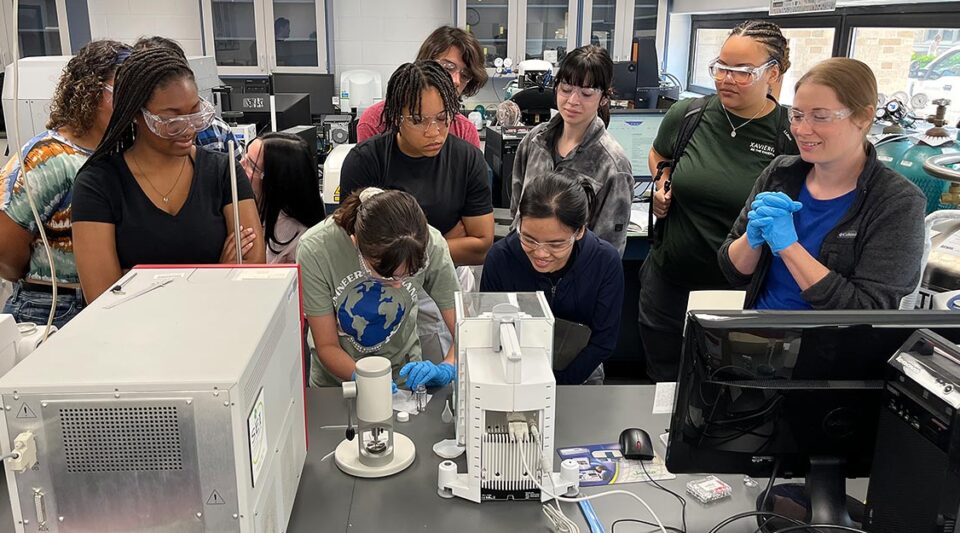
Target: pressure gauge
[507,62]
[498,62]
[919,101]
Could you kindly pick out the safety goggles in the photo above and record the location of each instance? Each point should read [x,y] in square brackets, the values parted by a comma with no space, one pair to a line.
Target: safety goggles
[452,69]
[552,246]
[566,90]
[371,274]
[180,125]
[441,120]
[739,75]
[818,116]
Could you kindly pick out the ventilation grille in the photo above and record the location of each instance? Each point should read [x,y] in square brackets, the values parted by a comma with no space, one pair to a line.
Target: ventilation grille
[121,439]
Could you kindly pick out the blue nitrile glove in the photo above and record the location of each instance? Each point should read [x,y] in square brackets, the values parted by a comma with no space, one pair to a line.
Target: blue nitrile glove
[393,386]
[776,199]
[779,232]
[755,229]
[428,374]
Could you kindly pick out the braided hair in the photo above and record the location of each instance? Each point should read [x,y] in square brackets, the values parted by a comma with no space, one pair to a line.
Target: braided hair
[406,86]
[769,35]
[137,78]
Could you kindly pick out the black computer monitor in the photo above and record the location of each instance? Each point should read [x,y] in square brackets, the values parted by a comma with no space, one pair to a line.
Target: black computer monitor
[292,110]
[797,389]
[318,86]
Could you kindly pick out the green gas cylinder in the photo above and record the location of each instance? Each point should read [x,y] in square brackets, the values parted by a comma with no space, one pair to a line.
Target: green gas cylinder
[906,155]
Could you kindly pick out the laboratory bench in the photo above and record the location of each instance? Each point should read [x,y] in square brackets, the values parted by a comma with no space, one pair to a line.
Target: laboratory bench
[331,501]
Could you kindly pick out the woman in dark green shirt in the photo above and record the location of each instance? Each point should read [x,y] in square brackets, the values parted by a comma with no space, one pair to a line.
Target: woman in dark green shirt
[736,138]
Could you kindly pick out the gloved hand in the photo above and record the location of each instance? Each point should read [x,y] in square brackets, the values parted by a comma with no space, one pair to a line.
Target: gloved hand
[428,374]
[776,199]
[755,229]
[393,386]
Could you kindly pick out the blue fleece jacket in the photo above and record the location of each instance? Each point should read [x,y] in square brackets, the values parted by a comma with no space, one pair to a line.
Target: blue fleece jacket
[589,293]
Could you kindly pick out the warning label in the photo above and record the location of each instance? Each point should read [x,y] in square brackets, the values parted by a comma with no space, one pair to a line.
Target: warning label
[25,412]
[215,499]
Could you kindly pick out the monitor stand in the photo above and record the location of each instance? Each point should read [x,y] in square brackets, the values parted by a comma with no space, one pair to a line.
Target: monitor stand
[822,499]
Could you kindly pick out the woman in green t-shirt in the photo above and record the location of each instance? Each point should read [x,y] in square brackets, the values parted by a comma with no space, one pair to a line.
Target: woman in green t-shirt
[363,270]
[739,132]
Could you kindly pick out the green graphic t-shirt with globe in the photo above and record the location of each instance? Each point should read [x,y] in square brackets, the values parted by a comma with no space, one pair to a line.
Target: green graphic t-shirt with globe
[372,318]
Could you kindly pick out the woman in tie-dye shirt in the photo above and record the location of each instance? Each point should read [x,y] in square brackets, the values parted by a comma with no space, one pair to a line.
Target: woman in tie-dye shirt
[79,115]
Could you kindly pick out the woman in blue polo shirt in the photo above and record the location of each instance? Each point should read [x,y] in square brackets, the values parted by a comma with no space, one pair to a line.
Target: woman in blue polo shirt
[554,252]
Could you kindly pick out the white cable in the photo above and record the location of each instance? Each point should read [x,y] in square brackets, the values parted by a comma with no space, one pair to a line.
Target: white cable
[23,167]
[592,496]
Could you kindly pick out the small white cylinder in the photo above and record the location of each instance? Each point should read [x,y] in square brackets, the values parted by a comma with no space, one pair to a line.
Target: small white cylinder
[446,477]
[570,471]
[374,395]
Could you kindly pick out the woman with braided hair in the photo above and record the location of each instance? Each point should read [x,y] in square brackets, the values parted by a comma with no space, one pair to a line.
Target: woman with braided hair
[446,174]
[147,195]
[704,183]
[78,118]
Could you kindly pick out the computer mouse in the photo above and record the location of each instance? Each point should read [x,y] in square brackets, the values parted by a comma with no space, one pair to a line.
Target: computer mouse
[635,443]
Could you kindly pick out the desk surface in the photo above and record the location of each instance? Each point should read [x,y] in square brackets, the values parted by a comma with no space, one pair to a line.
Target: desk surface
[331,501]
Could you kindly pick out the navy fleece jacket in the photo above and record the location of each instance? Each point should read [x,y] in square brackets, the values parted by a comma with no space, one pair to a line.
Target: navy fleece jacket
[589,293]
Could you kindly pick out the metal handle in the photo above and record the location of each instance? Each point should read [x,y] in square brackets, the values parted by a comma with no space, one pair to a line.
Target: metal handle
[937,166]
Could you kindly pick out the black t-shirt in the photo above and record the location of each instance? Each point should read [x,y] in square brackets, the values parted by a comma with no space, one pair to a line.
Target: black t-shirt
[448,186]
[106,191]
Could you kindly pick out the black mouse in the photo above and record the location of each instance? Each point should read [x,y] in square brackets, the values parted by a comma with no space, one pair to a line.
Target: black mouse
[636,444]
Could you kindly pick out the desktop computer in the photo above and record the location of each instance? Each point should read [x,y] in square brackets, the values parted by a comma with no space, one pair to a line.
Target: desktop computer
[318,86]
[789,394]
[292,109]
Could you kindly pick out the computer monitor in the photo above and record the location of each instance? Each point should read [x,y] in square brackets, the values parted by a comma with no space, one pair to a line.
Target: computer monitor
[795,391]
[318,86]
[292,110]
[635,130]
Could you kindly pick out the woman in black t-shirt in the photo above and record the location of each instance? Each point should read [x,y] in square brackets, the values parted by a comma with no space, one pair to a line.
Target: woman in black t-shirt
[147,195]
[416,154]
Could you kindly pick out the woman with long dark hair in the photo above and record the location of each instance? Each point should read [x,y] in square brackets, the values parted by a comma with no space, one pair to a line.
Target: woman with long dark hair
[364,270]
[147,195]
[576,141]
[580,274]
[79,116]
[285,183]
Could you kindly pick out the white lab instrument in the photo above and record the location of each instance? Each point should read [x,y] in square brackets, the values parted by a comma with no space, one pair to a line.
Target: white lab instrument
[360,89]
[331,175]
[244,134]
[38,81]
[180,411]
[17,341]
[374,449]
[505,400]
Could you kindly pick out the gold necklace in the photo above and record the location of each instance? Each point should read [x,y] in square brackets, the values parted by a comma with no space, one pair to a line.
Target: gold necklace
[733,132]
[165,197]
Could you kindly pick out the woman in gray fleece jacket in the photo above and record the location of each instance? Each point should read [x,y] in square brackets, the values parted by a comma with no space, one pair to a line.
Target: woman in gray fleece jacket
[575,143]
[832,228]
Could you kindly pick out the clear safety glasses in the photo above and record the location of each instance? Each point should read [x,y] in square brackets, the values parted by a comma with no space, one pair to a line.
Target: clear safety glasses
[180,125]
[369,272]
[818,116]
[553,246]
[441,120]
[740,75]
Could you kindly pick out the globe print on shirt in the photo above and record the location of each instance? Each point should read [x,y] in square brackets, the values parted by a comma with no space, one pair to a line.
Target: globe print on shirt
[369,315]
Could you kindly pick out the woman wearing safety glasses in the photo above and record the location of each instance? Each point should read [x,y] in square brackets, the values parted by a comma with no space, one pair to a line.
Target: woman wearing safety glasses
[580,274]
[833,228]
[148,195]
[701,187]
[79,115]
[576,141]
[446,175]
[460,54]
[364,270]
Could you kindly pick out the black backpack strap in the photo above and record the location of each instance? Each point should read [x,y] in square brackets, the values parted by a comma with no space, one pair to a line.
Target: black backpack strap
[784,137]
[688,124]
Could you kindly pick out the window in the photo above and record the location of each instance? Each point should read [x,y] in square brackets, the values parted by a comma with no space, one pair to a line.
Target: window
[487,21]
[645,18]
[546,28]
[602,24]
[707,44]
[916,65]
[808,46]
[39,28]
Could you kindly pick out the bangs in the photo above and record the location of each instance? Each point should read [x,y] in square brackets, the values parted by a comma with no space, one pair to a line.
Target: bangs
[588,66]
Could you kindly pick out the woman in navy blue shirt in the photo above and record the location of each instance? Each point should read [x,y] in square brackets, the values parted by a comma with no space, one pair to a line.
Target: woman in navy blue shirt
[554,252]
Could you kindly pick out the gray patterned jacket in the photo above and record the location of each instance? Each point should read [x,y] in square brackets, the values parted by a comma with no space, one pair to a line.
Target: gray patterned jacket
[599,157]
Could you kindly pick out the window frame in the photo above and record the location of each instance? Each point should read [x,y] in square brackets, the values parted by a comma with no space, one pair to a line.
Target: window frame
[844,21]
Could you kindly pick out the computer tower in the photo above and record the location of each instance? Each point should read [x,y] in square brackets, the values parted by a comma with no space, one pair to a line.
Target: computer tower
[914,484]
